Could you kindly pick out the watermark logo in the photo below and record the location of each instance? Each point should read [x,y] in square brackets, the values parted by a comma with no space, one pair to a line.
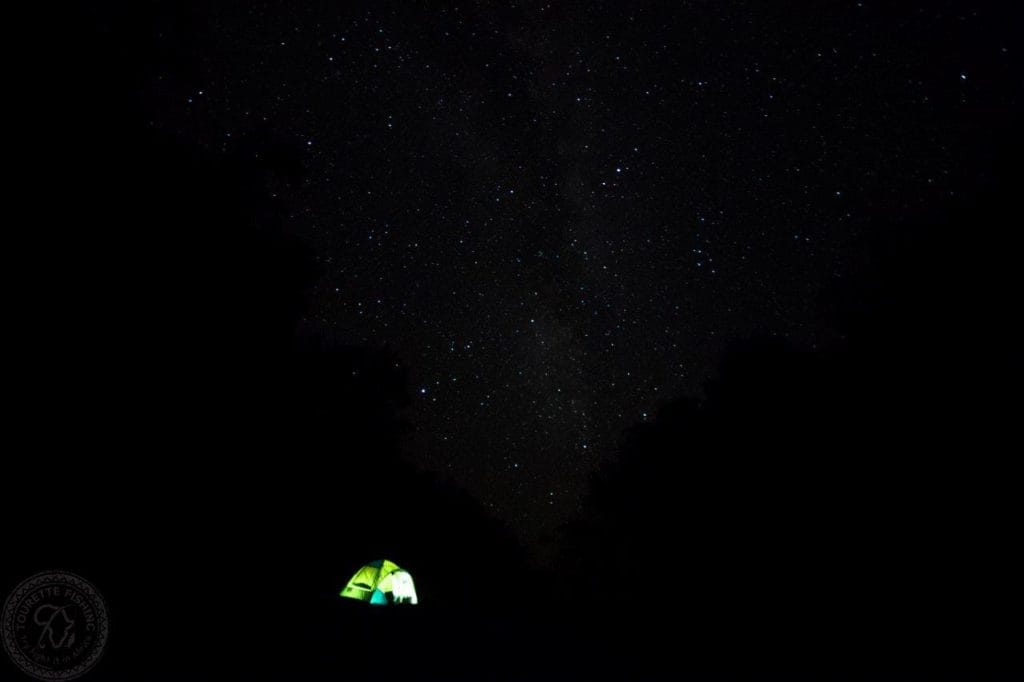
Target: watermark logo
[54,626]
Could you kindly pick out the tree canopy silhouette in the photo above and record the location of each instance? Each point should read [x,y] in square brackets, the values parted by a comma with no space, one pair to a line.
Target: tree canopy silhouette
[859,492]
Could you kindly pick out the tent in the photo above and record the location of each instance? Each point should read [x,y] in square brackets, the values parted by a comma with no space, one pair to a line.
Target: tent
[381,582]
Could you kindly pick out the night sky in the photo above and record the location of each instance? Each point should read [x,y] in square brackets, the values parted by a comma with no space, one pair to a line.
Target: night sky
[585,314]
[560,215]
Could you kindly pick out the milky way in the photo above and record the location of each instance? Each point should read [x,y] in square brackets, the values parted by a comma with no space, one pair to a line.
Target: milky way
[558,216]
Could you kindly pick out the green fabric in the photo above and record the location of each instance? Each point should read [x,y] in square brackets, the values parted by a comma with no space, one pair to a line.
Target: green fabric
[374,583]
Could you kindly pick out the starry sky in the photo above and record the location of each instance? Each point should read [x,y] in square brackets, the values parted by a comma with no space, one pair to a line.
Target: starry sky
[559,215]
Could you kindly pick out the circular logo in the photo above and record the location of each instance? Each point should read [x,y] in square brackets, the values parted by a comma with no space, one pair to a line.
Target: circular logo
[54,626]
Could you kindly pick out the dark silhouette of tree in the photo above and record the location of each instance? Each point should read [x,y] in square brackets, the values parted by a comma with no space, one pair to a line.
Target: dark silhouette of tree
[859,497]
[218,475]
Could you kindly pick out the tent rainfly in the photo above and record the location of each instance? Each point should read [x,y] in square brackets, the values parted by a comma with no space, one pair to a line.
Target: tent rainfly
[381,582]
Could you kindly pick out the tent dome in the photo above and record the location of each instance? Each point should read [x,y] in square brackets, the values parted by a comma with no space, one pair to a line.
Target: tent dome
[381,582]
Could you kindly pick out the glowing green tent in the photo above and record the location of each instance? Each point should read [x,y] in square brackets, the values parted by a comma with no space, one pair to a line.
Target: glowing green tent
[381,582]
